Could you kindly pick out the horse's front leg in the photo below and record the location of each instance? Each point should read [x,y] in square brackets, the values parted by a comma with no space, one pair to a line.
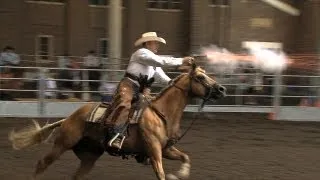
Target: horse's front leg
[173,153]
[155,153]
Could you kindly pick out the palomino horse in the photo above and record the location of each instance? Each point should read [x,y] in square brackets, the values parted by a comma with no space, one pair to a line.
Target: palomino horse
[158,125]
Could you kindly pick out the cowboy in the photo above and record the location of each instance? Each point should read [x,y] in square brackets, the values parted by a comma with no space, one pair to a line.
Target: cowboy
[144,66]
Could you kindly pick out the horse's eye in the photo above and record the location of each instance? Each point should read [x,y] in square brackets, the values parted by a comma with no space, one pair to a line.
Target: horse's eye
[201,78]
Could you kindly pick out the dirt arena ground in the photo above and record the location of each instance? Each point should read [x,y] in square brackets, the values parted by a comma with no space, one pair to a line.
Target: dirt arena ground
[221,146]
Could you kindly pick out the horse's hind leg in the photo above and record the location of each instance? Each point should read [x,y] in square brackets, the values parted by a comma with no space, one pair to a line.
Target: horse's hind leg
[48,159]
[87,162]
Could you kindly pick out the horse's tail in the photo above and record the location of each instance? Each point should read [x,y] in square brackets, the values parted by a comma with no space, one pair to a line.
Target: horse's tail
[32,135]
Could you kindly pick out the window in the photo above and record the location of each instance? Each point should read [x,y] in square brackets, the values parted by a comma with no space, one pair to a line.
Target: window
[165,4]
[105,3]
[226,2]
[99,2]
[219,2]
[59,1]
[276,46]
[261,22]
[44,47]
[103,47]
[213,2]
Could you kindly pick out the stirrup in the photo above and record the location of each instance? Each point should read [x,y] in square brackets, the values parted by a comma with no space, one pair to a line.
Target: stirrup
[122,140]
[114,138]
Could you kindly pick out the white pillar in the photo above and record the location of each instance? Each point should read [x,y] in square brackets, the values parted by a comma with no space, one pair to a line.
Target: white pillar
[115,33]
[316,81]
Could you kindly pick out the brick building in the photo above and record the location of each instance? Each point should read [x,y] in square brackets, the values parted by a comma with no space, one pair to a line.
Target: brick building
[55,27]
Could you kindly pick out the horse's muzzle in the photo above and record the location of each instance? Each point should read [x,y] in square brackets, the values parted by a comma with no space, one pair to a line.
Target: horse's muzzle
[218,92]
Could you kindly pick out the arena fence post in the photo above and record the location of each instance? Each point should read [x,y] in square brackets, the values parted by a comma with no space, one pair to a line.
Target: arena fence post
[277,88]
[41,91]
[85,86]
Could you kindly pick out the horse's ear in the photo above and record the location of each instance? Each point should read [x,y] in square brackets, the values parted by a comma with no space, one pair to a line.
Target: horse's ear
[184,68]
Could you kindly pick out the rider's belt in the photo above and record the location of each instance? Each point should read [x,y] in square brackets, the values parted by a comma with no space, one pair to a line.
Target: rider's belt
[131,76]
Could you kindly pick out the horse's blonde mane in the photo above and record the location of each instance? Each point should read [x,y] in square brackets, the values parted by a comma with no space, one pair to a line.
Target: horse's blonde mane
[165,89]
[201,70]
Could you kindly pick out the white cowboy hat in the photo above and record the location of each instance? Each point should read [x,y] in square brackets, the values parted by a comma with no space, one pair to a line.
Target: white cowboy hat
[149,36]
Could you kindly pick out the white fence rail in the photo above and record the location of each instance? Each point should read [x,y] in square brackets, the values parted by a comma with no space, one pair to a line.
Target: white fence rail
[276,97]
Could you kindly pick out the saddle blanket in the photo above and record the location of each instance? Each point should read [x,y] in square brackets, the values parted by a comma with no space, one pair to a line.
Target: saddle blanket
[97,113]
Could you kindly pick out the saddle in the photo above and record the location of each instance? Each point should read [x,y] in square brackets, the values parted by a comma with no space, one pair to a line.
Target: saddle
[100,111]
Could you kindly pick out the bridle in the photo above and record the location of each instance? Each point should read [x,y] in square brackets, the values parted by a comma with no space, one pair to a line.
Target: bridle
[209,89]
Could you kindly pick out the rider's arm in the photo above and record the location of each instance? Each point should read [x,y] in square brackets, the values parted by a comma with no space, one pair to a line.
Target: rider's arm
[145,56]
[160,76]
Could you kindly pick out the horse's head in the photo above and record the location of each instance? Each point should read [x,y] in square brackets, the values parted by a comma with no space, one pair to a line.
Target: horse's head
[203,86]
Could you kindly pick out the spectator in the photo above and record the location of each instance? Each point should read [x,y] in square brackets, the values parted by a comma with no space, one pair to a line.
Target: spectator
[50,85]
[107,89]
[310,92]
[63,60]
[250,82]
[10,84]
[9,58]
[72,77]
[5,84]
[92,62]
[254,82]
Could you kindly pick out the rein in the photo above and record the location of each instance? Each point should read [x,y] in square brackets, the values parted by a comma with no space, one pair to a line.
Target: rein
[172,140]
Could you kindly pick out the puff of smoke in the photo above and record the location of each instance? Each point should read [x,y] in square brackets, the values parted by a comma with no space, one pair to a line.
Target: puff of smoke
[220,59]
[269,61]
[223,61]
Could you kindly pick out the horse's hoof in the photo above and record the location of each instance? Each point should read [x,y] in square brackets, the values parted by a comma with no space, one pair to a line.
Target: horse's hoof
[183,175]
[184,172]
[172,177]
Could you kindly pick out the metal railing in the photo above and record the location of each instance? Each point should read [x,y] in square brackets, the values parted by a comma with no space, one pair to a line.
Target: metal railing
[273,93]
